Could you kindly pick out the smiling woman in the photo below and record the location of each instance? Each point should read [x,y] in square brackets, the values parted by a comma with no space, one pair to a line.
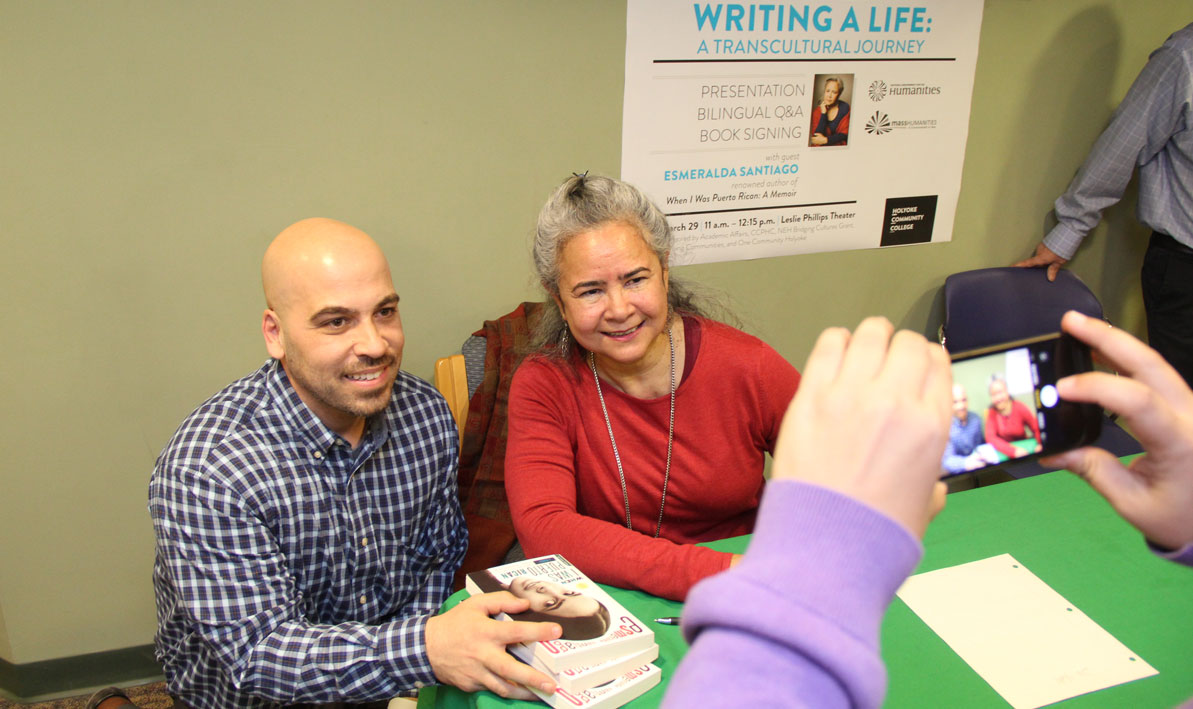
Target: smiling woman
[638,427]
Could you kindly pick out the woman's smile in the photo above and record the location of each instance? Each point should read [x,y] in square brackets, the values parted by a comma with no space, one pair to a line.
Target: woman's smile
[623,334]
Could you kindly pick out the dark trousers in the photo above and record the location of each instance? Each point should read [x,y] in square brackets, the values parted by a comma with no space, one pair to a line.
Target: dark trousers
[1167,283]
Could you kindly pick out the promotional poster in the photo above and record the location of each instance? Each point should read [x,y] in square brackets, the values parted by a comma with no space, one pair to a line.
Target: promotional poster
[770,129]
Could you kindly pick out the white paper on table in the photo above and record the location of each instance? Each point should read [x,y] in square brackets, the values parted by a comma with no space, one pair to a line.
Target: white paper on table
[1030,644]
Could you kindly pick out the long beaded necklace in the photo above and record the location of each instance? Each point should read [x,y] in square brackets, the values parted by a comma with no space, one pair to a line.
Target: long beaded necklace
[625,495]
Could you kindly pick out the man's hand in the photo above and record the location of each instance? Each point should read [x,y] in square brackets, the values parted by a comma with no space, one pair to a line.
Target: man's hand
[1154,492]
[1044,256]
[870,420]
[466,647]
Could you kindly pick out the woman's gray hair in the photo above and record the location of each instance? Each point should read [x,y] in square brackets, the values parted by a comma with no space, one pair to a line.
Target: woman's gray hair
[581,204]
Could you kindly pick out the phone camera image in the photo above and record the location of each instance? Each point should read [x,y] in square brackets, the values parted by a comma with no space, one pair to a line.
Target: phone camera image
[1006,407]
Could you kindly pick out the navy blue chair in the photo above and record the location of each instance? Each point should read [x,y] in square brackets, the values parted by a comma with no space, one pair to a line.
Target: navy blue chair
[991,305]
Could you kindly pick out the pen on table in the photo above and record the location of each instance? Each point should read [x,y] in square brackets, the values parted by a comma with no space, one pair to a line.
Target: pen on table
[667,621]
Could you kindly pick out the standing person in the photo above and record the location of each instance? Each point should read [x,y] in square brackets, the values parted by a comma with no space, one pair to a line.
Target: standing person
[1152,130]
[306,516]
[858,457]
[830,118]
[639,425]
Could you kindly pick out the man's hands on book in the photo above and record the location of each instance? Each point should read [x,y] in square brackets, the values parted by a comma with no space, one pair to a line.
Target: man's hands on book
[870,420]
[466,647]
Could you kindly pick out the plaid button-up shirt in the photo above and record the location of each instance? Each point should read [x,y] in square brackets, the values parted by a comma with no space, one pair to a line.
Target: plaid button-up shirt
[291,567]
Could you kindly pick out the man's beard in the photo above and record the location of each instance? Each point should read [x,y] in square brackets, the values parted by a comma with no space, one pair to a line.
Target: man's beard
[337,394]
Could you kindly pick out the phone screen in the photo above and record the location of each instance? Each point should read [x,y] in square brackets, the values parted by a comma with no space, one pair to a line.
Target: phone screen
[1006,407]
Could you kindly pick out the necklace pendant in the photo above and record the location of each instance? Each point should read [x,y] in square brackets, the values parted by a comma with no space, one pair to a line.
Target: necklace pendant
[625,494]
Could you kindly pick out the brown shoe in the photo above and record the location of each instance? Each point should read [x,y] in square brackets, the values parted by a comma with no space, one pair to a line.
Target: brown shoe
[108,698]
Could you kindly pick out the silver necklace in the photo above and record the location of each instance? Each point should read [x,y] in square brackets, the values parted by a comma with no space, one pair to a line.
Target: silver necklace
[625,495]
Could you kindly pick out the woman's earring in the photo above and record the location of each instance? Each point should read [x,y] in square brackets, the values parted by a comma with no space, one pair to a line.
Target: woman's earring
[564,340]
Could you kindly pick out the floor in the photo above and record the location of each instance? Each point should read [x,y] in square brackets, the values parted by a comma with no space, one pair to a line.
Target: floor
[146,696]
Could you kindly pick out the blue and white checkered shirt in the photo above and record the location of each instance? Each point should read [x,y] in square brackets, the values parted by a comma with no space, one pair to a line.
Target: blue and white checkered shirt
[1152,129]
[292,568]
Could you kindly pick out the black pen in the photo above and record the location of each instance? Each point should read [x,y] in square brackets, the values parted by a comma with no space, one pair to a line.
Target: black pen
[667,621]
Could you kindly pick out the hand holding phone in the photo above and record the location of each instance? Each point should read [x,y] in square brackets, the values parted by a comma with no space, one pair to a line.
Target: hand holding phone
[870,420]
[1154,492]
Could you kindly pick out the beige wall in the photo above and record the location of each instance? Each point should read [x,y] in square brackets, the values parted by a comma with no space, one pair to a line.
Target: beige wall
[150,150]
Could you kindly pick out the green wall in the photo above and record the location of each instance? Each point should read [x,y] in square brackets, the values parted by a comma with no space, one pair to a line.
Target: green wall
[150,150]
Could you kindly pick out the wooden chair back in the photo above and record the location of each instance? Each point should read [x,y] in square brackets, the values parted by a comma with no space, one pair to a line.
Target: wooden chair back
[452,381]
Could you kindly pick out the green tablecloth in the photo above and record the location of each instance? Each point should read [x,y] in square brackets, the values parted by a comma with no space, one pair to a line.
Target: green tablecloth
[1060,530]
[1024,444]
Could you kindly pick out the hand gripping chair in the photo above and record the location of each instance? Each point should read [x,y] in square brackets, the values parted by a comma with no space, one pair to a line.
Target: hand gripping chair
[992,305]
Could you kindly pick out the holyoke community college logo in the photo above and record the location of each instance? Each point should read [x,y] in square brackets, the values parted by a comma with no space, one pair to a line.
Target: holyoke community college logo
[877,90]
[878,124]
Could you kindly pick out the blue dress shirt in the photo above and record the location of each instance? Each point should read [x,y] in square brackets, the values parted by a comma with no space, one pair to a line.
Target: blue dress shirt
[964,438]
[291,567]
[1152,129]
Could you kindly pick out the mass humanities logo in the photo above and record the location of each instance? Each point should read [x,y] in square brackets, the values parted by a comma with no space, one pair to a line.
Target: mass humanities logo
[877,90]
[881,124]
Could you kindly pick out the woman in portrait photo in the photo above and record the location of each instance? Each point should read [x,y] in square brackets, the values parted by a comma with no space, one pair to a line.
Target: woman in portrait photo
[830,118]
[581,617]
[638,425]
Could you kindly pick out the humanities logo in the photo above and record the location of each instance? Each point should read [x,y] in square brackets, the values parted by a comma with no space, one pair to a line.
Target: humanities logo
[913,90]
[879,124]
[878,90]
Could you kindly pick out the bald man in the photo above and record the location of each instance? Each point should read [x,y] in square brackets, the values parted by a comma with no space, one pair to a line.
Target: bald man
[306,516]
[965,436]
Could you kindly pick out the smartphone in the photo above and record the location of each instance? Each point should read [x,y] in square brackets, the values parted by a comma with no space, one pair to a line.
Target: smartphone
[1006,407]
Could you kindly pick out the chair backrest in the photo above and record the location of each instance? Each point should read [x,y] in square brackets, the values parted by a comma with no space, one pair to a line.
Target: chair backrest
[452,381]
[992,305]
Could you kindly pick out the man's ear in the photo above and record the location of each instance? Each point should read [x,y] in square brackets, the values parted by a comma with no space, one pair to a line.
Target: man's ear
[271,328]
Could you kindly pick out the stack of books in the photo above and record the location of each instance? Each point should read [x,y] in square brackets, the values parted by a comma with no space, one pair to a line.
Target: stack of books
[603,659]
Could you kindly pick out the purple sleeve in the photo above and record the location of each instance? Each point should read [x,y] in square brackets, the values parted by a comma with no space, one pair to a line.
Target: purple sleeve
[1183,556]
[796,622]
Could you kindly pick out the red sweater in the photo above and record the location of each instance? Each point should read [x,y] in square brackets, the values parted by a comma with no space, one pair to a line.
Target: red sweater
[564,492]
[1001,430]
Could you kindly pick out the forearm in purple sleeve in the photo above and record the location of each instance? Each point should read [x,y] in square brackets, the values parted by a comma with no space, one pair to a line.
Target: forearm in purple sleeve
[796,623]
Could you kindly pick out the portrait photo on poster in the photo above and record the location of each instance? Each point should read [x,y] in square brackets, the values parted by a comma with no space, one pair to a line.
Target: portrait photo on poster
[832,95]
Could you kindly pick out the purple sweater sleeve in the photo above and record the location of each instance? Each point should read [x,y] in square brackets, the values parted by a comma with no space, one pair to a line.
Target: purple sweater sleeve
[796,623]
[1183,556]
